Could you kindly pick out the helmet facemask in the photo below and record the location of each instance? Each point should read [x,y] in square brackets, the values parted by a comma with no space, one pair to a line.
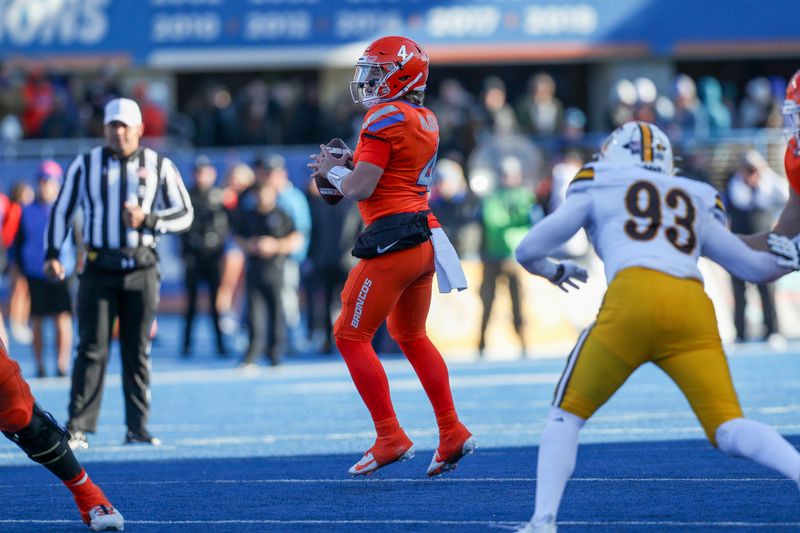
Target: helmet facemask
[791,114]
[369,86]
[791,108]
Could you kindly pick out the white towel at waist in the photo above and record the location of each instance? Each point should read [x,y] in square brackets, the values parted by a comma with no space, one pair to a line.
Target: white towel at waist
[449,273]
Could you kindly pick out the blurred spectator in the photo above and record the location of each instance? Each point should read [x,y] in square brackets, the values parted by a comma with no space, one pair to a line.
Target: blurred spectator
[755,195]
[271,169]
[153,114]
[62,122]
[551,193]
[497,116]
[203,247]
[719,117]
[239,179]
[10,128]
[562,174]
[690,118]
[455,206]
[730,99]
[267,235]
[646,96]
[258,115]
[775,117]
[574,125]
[506,217]
[456,112]
[11,104]
[226,124]
[48,298]
[334,229]
[37,96]
[20,195]
[302,122]
[621,102]
[755,108]
[539,112]
[215,118]
[19,306]
[102,88]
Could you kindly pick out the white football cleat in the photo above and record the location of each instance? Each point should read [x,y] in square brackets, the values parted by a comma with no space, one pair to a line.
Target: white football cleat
[439,465]
[105,518]
[368,464]
[546,526]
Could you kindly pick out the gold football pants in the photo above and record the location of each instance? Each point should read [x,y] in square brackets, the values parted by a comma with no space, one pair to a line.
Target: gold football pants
[651,316]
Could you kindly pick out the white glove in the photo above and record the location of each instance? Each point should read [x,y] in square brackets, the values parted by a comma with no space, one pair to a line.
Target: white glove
[786,249]
[566,272]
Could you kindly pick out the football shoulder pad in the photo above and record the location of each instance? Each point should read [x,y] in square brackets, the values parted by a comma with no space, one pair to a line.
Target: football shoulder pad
[583,180]
[382,119]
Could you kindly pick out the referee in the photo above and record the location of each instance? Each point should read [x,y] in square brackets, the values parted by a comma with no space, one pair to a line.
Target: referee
[129,195]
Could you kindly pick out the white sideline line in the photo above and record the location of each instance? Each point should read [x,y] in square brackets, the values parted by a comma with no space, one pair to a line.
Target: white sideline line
[441,480]
[298,481]
[674,523]
[275,382]
[653,523]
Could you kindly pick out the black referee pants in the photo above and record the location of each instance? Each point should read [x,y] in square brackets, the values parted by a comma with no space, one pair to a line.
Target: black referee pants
[102,296]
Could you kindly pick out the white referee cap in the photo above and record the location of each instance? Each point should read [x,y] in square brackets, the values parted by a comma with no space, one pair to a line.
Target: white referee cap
[123,110]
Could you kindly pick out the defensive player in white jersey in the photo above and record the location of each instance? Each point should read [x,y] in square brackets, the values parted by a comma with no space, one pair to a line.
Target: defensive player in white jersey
[649,228]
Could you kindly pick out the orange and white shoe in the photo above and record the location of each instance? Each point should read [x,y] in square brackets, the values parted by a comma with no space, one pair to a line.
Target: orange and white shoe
[95,509]
[453,445]
[105,518]
[385,451]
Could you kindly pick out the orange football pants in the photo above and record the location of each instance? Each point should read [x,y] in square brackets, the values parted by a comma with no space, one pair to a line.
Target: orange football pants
[16,400]
[395,287]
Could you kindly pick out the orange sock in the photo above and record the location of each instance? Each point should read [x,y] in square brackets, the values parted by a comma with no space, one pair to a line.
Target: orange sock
[446,420]
[432,373]
[369,377]
[87,495]
[386,427]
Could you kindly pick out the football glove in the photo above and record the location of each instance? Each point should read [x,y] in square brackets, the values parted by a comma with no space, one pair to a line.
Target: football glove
[787,250]
[566,272]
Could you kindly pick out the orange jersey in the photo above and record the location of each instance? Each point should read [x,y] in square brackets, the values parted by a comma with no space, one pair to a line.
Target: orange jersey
[791,163]
[412,135]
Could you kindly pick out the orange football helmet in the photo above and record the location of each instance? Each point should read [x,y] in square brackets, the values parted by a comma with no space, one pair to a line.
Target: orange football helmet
[791,106]
[389,68]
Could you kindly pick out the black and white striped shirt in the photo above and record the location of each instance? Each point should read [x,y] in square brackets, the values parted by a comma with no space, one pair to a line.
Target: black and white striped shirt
[101,183]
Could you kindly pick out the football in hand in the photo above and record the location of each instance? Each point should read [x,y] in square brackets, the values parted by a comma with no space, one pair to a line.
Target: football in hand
[327,191]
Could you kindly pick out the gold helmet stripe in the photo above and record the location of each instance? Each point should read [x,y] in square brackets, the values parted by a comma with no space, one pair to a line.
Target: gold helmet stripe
[647,141]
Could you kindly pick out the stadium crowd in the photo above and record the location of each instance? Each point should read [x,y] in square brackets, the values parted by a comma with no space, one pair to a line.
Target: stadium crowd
[39,104]
[529,180]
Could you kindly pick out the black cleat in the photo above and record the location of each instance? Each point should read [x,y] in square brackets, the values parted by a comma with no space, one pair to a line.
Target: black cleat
[141,437]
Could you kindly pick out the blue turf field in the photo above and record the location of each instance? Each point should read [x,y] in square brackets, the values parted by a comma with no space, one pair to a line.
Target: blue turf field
[270,452]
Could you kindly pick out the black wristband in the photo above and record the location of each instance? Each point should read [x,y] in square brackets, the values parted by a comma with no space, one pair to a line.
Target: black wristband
[559,273]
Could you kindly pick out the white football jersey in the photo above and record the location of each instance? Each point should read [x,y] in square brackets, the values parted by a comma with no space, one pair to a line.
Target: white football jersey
[647,219]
